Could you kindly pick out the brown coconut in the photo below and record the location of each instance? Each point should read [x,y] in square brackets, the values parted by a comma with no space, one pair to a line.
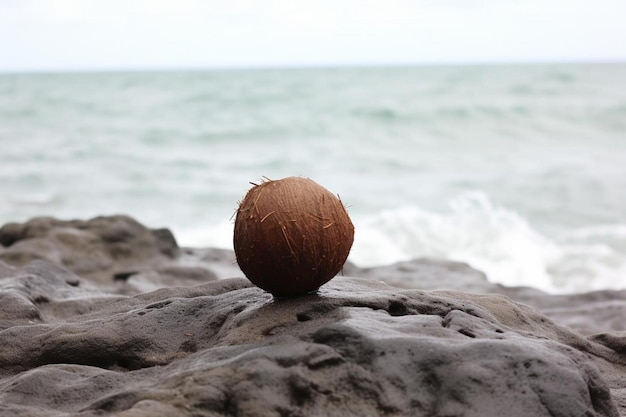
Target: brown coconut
[291,236]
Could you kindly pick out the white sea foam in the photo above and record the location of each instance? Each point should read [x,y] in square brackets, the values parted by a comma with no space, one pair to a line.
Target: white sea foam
[592,258]
[214,235]
[493,239]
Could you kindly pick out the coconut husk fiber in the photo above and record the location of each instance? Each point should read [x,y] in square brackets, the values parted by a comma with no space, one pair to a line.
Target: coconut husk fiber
[291,236]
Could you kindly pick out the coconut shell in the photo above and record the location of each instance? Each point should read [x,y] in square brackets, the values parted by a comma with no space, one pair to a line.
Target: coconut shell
[291,236]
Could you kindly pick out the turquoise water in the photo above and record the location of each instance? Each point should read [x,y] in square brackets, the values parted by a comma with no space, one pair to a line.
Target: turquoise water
[518,170]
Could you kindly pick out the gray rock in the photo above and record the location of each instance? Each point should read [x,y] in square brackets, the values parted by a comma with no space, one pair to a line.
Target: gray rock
[80,342]
[588,313]
[106,252]
[357,347]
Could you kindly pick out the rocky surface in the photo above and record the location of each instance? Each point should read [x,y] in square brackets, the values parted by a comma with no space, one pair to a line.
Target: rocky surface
[107,317]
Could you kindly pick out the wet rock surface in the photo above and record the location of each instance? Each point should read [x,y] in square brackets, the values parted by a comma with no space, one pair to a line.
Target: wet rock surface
[124,322]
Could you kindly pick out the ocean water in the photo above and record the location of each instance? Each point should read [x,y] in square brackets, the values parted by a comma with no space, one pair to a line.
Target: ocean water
[519,171]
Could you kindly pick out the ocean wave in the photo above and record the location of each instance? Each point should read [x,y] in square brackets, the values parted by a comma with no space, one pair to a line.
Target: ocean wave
[495,240]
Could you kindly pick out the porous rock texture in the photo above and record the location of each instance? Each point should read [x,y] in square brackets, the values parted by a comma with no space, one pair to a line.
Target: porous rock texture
[157,330]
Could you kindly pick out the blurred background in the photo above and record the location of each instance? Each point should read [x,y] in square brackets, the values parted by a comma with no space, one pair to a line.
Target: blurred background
[487,132]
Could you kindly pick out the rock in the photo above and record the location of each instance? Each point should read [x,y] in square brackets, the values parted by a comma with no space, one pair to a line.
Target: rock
[358,347]
[587,313]
[104,251]
[83,343]
[43,292]
[427,274]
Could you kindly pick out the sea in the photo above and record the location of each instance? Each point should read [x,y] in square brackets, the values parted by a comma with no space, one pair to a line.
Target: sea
[517,170]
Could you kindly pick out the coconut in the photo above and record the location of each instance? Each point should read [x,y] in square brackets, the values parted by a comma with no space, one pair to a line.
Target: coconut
[291,236]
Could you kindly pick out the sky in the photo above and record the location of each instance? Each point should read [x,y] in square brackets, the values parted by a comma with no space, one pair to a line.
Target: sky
[58,35]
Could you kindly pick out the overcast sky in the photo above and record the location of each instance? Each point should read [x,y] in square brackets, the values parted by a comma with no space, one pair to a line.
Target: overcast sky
[143,34]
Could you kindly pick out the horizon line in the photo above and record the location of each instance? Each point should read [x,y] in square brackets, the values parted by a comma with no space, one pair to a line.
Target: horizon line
[302,66]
